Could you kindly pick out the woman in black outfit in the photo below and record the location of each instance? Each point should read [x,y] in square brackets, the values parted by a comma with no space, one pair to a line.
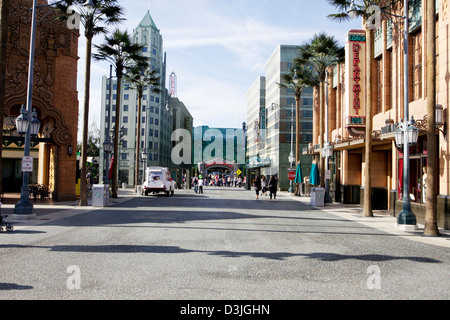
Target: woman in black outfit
[257,186]
[273,182]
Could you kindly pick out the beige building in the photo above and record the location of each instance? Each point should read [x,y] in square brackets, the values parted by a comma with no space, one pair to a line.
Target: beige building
[346,117]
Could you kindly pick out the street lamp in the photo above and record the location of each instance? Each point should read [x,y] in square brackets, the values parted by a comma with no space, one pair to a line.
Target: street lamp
[23,210]
[352,11]
[405,137]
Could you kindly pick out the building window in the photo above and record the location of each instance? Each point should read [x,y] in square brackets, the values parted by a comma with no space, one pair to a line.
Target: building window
[125,107]
[379,66]
[417,65]
[125,119]
[126,96]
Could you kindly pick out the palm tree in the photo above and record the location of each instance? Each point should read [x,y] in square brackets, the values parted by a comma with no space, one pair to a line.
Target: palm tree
[431,228]
[122,53]
[139,80]
[4,12]
[105,13]
[298,79]
[320,53]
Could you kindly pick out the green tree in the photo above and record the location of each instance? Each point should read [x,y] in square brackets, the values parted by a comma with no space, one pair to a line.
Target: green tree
[139,79]
[122,53]
[298,79]
[105,13]
[320,53]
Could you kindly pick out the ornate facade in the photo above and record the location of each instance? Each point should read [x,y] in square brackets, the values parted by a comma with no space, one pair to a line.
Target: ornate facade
[55,98]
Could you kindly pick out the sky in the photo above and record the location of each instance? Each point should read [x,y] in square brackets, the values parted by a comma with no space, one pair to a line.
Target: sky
[217,49]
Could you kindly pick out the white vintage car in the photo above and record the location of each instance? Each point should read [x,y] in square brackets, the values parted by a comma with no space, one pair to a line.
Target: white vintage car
[158,179]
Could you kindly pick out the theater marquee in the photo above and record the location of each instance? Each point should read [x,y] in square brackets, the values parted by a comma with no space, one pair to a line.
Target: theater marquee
[355,53]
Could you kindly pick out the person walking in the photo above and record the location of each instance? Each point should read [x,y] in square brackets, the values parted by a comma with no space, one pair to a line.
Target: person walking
[257,186]
[200,184]
[195,183]
[273,183]
[263,186]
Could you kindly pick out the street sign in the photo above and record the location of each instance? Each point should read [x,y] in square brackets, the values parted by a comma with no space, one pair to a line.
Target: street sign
[238,172]
[291,175]
[27,164]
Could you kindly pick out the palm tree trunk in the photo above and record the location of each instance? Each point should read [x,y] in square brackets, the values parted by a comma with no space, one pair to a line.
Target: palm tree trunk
[138,141]
[322,132]
[84,143]
[297,129]
[116,135]
[4,13]
[367,210]
[431,228]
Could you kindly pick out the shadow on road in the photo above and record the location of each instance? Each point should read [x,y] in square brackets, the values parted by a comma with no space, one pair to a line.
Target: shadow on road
[321,256]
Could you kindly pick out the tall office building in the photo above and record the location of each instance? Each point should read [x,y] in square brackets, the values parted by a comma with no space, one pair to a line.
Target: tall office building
[271,121]
[156,120]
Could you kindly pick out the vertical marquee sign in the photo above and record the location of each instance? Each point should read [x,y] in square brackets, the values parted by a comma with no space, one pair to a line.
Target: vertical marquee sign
[355,75]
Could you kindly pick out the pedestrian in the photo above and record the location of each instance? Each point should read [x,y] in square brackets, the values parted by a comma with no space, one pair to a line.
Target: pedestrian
[200,184]
[263,186]
[273,182]
[195,183]
[257,186]
[240,181]
[235,181]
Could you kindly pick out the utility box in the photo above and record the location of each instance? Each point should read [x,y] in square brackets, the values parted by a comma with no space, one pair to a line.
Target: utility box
[317,197]
[100,195]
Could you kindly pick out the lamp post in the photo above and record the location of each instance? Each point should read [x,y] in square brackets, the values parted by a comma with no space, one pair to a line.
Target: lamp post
[405,137]
[24,209]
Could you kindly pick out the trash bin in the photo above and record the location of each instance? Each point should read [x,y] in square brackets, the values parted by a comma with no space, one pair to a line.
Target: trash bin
[317,197]
[100,195]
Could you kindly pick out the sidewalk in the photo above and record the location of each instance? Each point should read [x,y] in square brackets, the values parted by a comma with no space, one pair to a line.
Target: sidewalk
[381,221]
[51,210]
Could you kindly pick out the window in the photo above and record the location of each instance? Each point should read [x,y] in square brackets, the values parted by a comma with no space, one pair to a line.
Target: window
[156,121]
[126,96]
[417,65]
[379,66]
[144,49]
[125,107]
[125,119]
[156,133]
[123,156]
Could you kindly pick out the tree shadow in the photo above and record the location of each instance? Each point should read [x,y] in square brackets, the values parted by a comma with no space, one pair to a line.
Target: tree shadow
[13,286]
[279,256]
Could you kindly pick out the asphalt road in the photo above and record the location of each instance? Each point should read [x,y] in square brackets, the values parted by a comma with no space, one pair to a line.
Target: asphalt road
[223,244]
